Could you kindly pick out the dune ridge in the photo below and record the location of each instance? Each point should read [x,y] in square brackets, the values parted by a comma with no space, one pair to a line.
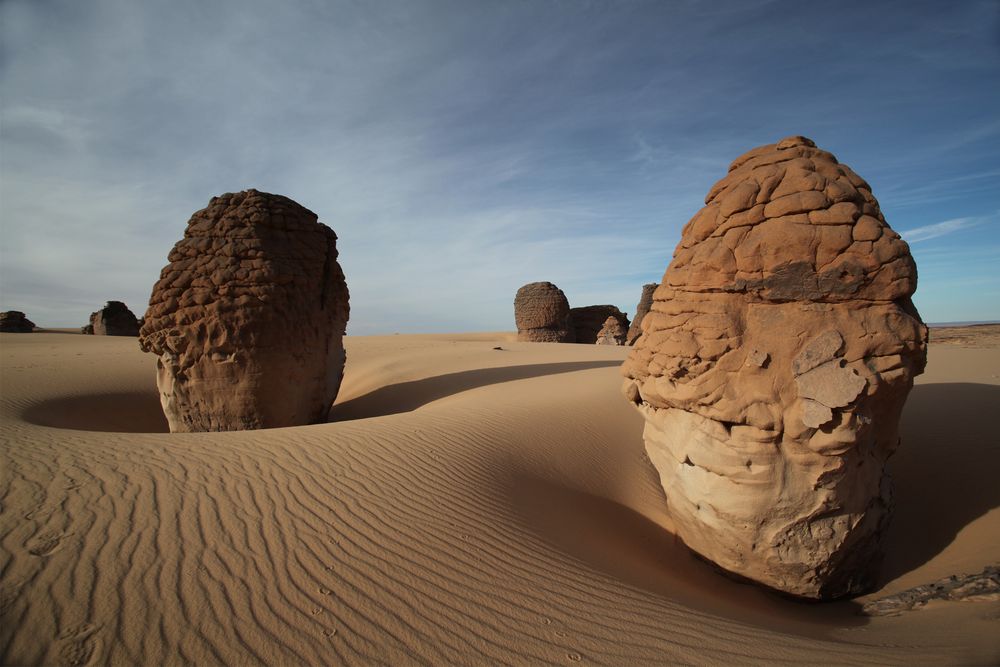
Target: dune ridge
[467,506]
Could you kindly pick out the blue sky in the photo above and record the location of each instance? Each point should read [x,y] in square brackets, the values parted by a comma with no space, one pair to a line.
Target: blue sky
[461,149]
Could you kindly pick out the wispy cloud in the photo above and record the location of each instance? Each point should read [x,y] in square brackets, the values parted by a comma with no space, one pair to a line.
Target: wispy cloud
[938,229]
[458,149]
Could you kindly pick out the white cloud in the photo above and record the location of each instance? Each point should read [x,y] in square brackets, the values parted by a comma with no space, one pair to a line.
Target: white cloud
[933,231]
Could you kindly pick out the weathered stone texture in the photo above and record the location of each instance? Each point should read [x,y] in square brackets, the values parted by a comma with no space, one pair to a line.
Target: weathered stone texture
[14,321]
[645,303]
[588,321]
[612,332]
[114,319]
[541,313]
[248,318]
[773,368]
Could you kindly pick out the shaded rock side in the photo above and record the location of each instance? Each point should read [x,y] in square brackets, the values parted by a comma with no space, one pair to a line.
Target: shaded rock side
[541,313]
[645,303]
[588,321]
[612,332]
[772,371]
[248,318]
[114,319]
[14,321]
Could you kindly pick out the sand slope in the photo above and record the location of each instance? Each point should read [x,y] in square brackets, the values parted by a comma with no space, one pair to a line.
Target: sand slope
[468,506]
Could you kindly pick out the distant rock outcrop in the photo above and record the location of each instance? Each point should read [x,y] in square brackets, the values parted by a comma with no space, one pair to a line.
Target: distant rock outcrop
[114,319]
[588,321]
[612,332]
[14,321]
[248,318]
[645,303]
[541,313]
[773,368]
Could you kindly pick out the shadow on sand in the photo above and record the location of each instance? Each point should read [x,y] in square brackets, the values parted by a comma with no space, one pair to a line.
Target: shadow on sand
[408,396]
[627,546]
[137,412]
[944,471]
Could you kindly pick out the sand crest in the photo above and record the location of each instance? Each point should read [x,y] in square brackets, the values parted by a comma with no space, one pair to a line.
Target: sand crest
[466,506]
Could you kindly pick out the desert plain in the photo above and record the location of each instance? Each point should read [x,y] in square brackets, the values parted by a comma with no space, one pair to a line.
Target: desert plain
[473,500]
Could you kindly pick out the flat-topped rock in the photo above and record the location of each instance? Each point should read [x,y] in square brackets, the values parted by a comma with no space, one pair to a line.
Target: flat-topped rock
[248,318]
[772,370]
[541,313]
[14,321]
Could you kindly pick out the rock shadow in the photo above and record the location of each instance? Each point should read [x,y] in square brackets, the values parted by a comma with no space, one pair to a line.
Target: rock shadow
[408,396]
[620,542]
[136,412]
[944,471]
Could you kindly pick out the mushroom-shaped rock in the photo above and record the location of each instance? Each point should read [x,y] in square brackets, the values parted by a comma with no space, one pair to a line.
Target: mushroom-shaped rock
[612,333]
[248,318]
[645,303]
[14,321]
[114,319]
[588,321]
[773,368]
[541,313]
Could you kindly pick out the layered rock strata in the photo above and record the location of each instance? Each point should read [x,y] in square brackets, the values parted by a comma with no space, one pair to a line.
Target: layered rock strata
[14,321]
[773,368]
[541,313]
[588,321]
[248,317]
[114,319]
[645,303]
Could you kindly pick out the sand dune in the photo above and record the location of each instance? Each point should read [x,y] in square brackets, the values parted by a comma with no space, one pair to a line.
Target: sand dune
[466,505]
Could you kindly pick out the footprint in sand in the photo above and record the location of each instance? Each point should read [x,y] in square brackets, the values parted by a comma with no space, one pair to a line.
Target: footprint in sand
[44,544]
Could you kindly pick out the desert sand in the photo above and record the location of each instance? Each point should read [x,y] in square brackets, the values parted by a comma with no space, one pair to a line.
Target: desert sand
[466,505]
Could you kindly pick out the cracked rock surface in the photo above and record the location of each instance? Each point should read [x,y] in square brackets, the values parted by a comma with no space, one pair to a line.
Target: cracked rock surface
[541,313]
[645,303]
[248,318]
[772,370]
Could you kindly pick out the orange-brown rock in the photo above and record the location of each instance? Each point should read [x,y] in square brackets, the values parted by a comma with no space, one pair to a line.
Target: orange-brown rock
[773,368]
[248,318]
[541,313]
[589,321]
[645,303]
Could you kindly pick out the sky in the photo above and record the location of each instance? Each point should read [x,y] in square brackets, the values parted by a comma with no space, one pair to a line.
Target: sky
[461,149]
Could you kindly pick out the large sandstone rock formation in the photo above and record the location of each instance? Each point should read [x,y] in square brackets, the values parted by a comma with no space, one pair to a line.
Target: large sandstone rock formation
[645,303]
[115,319]
[588,321]
[248,318]
[773,369]
[14,321]
[541,313]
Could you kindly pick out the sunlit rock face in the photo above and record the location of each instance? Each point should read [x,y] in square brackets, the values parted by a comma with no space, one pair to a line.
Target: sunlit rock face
[612,332]
[541,313]
[773,368]
[248,318]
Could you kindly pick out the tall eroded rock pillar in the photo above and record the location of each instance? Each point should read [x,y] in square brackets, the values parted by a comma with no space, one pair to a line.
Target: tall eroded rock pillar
[773,368]
[248,318]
